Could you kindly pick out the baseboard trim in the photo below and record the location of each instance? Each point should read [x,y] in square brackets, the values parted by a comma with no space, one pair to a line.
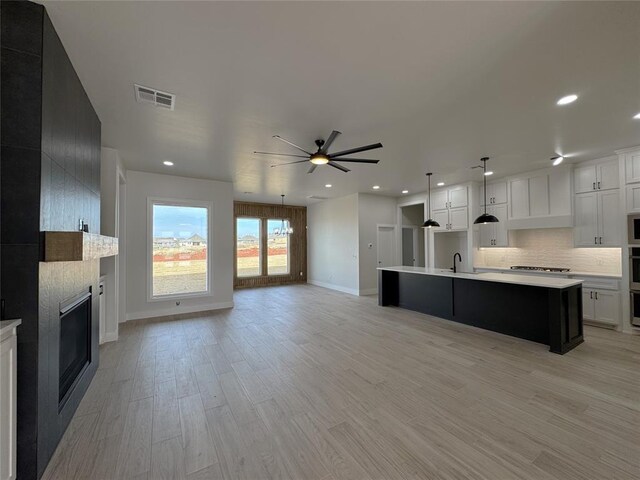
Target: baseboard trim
[368,291]
[178,310]
[331,286]
[109,337]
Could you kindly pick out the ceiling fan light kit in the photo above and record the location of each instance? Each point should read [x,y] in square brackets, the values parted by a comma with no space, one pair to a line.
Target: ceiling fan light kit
[322,155]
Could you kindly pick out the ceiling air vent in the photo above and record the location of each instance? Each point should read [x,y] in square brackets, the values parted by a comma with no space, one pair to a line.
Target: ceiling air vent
[316,197]
[155,97]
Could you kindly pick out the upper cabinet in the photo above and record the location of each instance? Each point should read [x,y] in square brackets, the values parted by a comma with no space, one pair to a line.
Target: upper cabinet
[600,176]
[450,207]
[496,194]
[540,199]
[632,166]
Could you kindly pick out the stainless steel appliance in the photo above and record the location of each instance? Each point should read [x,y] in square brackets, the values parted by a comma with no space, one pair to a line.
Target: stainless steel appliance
[635,308]
[634,269]
[530,268]
[633,223]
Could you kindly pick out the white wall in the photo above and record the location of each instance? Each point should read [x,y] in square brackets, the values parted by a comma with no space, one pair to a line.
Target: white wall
[332,244]
[141,186]
[372,211]
[111,170]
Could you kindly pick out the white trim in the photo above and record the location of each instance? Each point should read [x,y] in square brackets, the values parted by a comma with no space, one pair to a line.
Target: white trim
[109,337]
[368,291]
[627,150]
[151,201]
[179,310]
[331,286]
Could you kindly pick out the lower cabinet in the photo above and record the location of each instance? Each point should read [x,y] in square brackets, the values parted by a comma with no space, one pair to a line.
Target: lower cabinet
[601,306]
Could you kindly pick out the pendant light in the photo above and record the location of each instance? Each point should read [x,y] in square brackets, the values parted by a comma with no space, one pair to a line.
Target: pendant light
[485,217]
[430,223]
[284,229]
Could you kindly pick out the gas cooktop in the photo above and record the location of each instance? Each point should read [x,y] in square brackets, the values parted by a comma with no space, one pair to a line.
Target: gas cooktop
[540,269]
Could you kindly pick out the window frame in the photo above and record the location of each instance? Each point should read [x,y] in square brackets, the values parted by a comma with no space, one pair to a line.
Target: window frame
[178,202]
[260,246]
[266,256]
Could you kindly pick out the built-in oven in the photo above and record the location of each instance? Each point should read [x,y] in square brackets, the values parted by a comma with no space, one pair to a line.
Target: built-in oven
[633,223]
[634,269]
[635,308]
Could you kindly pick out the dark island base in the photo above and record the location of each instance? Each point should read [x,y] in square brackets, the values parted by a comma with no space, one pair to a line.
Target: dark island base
[545,315]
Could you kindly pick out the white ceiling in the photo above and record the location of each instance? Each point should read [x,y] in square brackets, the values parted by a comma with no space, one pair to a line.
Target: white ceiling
[439,84]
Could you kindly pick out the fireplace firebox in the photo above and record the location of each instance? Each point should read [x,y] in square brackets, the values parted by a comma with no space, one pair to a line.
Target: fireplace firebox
[75,343]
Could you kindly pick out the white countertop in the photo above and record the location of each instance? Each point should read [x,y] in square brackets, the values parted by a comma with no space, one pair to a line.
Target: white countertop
[7,325]
[559,274]
[515,279]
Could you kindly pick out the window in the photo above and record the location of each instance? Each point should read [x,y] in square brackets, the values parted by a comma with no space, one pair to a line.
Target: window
[179,257]
[277,248]
[248,247]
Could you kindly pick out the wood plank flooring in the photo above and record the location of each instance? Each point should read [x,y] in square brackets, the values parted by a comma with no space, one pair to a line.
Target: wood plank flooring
[300,382]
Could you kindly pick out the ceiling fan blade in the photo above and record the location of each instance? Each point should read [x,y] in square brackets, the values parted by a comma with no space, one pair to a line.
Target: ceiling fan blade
[329,141]
[289,163]
[281,154]
[313,167]
[339,167]
[356,160]
[373,146]
[292,144]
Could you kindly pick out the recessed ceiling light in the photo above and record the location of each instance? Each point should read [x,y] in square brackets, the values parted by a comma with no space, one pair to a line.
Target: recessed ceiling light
[567,99]
[488,173]
[168,163]
[405,191]
[636,116]
[328,185]
[376,187]
[557,160]
[440,184]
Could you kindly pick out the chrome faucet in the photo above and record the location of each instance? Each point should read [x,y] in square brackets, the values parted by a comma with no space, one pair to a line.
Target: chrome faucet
[457,254]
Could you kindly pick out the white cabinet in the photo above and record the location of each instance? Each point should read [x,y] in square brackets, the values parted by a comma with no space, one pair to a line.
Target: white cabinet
[633,198]
[496,193]
[597,219]
[495,234]
[599,176]
[8,397]
[450,208]
[632,167]
[601,306]
[540,199]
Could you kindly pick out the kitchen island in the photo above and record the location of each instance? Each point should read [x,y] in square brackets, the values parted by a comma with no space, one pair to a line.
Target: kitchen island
[540,309]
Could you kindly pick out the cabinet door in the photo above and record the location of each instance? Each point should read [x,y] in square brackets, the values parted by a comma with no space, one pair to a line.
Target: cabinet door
[588,307]
[632,167]
[633,198]
[519,201]
[487,234]
[585,230]
[458,197]
[501,234]
[539,196]
[439,199]
[458,218]
[8,385]
[442,217]
[608,176]
[499,193]
[607,306]
[608,218]
[584,179]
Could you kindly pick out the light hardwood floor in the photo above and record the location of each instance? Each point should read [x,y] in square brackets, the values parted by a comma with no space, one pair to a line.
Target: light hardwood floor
[300,382]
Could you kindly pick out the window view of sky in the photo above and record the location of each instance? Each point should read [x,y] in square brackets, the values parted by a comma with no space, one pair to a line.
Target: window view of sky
[248,226]
[179,222]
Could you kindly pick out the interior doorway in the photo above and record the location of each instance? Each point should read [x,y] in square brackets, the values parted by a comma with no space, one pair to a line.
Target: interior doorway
[386,245]
[412,239]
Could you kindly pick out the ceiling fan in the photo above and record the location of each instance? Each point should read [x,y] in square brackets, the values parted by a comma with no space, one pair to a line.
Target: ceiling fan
[322,156]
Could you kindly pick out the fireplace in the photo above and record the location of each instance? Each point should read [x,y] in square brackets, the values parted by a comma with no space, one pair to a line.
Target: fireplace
[75,343]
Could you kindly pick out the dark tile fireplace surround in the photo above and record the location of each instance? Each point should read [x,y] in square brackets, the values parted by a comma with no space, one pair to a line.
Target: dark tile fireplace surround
[49,179]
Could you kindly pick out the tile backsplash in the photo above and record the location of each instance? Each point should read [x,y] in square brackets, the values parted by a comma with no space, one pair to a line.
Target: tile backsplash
[550,247]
